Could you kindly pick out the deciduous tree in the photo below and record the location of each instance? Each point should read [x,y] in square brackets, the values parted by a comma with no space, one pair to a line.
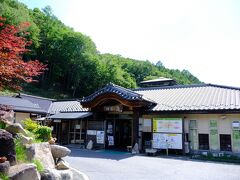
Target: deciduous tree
[13,44]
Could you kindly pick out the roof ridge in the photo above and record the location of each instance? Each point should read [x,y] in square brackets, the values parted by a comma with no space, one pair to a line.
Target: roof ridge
[224,86]
[171,87]
[62,100]
[39,97]
[129,90]
[187,86]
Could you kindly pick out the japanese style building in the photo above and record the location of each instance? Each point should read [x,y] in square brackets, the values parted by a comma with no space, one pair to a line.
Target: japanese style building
[22,108]
[161,115]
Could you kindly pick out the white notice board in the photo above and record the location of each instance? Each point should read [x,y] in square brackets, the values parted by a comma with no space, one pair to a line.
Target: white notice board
[167,125]
[100,137]
[160,141]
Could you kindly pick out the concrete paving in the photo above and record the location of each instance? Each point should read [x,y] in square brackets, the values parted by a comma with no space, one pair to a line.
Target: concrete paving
[112,165]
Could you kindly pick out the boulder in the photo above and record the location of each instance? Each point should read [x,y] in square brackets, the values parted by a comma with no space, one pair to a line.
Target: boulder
[41,152]
[7,146]
[16,128]
[53,174]
[62,165]
[90,145]
[23,172]
[25,140]
[7,116]
[59,151]
[135,149]
[52,140]
[4,167]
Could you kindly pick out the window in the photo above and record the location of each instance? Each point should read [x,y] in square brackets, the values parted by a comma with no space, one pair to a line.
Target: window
[203,140]
[225,142]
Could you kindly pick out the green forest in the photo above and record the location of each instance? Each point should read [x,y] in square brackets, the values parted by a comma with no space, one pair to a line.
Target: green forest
[75,67]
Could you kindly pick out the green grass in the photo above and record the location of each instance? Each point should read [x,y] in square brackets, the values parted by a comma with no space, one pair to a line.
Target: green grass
[3,176]
[39,165]
[6,92]
[20,151]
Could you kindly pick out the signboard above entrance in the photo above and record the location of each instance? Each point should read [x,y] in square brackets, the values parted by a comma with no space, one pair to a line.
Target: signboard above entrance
[167,125]
[117,108]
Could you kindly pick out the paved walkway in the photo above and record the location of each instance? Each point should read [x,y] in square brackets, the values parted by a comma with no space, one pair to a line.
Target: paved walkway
[111,165]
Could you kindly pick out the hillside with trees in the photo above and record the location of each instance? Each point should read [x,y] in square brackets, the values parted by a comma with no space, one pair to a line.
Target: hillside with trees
[75,67]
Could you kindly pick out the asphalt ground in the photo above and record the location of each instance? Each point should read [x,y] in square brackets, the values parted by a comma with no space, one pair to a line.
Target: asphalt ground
[114,165]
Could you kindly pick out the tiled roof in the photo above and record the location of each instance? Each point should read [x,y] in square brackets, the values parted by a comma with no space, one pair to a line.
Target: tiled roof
[193,97]
[112,88]
[66,106]
[72,115]
[44,103]
[21,105]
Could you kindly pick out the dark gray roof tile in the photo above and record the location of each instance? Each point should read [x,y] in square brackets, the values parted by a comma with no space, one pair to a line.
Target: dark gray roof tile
[66,106]
[193,97]
[21,105]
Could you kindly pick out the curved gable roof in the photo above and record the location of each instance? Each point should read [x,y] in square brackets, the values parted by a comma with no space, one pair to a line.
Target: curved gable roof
[113,91]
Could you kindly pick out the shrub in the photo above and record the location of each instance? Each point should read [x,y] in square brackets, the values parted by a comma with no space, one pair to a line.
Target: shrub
[3,176]
[30,125]
[2,125]
[39,165]
[43,133]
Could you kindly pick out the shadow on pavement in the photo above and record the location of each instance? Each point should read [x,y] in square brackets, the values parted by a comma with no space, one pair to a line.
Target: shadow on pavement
[104,154]
[119,155]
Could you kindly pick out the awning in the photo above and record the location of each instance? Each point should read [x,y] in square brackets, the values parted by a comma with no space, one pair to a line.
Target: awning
[40,119]
[72,115]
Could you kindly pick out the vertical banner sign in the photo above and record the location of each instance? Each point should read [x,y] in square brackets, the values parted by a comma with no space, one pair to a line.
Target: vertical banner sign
[193,135]
[236,135]
[236,140]
[110,140]
[154,125]
[214,142]
[100,137]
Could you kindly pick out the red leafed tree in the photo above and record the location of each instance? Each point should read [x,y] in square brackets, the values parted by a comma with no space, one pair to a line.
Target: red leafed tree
[13,44]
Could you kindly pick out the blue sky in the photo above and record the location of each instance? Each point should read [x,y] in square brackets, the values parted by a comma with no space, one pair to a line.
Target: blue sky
[201,36]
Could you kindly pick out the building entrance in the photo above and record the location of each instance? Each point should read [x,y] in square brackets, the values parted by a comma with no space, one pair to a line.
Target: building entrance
[119,134]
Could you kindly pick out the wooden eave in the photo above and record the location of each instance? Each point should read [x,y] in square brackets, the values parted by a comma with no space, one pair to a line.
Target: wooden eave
[100,99]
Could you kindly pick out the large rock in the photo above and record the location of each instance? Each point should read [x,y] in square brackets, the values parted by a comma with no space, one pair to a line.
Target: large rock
[25,140]
[7,146]
[7,116]
[4,167]
[90,145]
[41,152]
[53,174]
[24,172]
[62,165]
[135,149]
[59,151]
[16,128]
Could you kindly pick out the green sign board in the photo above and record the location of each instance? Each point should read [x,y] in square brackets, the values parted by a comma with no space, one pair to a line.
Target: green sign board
[214,141]
[236,140]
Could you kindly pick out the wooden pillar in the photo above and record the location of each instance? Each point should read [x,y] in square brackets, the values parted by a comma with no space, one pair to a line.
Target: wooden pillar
[135,126]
